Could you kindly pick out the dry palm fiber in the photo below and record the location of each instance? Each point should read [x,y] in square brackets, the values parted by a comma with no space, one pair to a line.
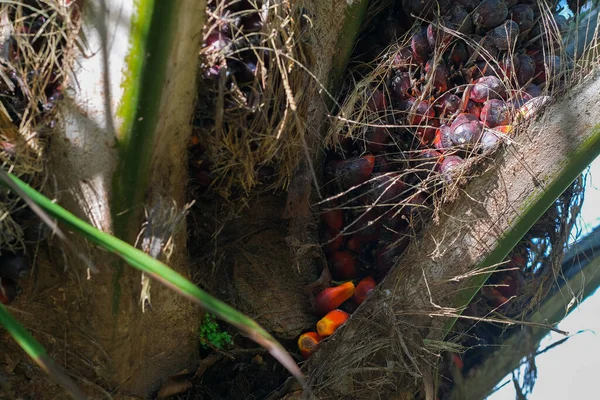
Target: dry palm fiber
[251,123]
[36,40]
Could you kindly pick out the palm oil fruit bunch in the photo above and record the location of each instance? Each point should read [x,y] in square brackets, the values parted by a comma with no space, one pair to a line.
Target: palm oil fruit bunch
[448,89]
[232,29]
[13,267]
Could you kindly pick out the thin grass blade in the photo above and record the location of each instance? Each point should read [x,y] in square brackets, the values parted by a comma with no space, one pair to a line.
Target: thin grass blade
[38,354]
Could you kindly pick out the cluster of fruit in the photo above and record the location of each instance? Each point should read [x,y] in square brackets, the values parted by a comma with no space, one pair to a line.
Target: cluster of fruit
[30,85]
[13,267]
[231,43]
[451,89]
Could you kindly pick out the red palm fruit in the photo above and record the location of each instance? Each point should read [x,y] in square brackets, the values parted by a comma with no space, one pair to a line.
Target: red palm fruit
[473,108]
[331,322]
[465,130]
[363,289]
[438,75]
[8,290]
[385,189]
[449,166]
[403,59]
[493,296]
[331,298]
[400,86]
[14,266]
[522,14]
[495,112]
[426,133]
[458,362]
[458,54]
[333,218]
[343,265]
[526,69]
[418,111]
[446,104]
[377,139]
[420,46]
[460,19]
[377,101]
[508,286]
[505,36]
[308,342]
[332,240]
[487,87]
[489,14]
[354,171]
[442,139]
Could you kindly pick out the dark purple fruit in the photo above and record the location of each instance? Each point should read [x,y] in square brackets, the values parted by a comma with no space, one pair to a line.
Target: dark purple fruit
[505,36]
[403,59]
[420,46]
[400,86]
[460,19]
[377,140]
[449,167]
[489,140]
[465,130]
[353,171]
[437,76]
[490,13]
[252,22]
[487,87]
[14,266]
[495,113]
[384,189]
[522,14]
[469,5]
[526,69]
[418,111]
[533,90]
[546,67]
[446,104]
[483,47]
[473,108]
[562,23]
[216,41]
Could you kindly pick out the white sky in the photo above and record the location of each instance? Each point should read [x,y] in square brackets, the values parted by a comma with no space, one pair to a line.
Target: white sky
[571,370]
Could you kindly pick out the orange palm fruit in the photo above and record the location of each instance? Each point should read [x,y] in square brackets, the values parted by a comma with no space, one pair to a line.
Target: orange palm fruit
[363,289]
[331,298]
[330,322]
[308,342]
